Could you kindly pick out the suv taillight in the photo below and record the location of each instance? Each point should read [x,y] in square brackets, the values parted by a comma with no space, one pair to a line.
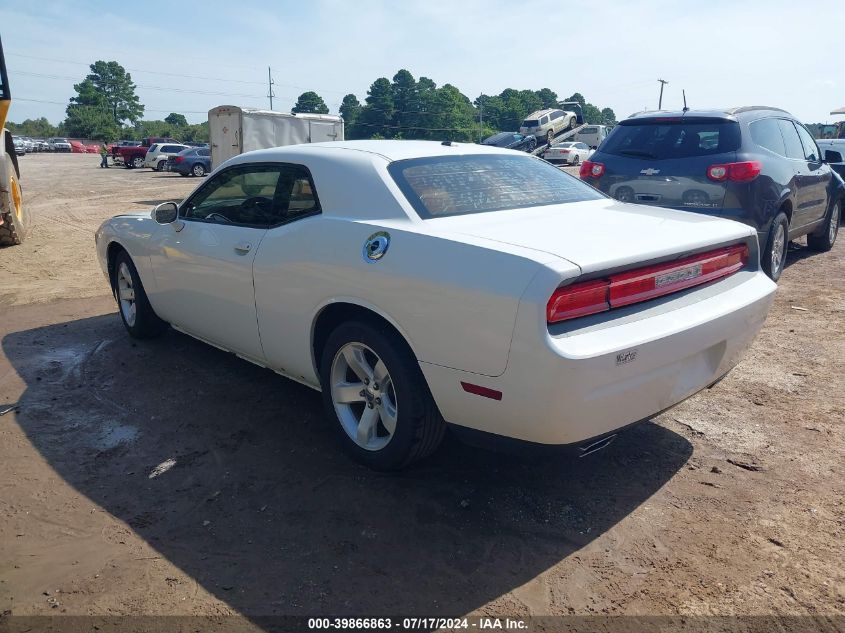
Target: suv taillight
[736,172]
[589,169]
[643,284]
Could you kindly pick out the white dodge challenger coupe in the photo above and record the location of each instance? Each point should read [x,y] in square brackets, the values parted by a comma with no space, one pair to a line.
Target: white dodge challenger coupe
[420,283]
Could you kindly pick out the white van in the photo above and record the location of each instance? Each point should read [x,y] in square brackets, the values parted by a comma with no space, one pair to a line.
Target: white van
[592,135]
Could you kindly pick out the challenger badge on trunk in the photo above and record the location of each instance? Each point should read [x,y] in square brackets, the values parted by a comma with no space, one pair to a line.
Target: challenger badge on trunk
[682,274]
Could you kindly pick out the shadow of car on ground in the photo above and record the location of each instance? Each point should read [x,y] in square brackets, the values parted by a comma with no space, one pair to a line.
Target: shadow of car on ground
[259,505]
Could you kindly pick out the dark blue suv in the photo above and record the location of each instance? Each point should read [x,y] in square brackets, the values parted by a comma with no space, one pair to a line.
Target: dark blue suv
[757,165]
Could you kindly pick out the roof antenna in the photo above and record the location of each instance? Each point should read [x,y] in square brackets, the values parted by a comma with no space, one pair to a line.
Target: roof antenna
[683,92]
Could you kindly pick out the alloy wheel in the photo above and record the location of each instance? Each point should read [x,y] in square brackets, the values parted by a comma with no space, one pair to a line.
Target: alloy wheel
[363,396]
[834,224]
[126,294]
[778,250]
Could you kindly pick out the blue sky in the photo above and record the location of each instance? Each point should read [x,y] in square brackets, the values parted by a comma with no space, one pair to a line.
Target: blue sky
[190,57]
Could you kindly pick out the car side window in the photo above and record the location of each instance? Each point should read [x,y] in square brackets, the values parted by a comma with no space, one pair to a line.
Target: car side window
[254,195]
[791,140]
[544,120]
[811,150]
[204,152]
[766,133]
[556,115]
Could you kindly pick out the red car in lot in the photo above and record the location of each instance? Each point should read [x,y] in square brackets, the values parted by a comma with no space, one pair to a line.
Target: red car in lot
[77,147]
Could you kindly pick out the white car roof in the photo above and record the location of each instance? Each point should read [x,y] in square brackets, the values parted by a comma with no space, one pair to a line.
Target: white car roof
[390,150]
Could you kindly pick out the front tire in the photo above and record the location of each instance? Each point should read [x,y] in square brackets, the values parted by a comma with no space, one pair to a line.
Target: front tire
[137,314]
[550,138]
[824,240]
[377,397]
[773,257]
[576,160]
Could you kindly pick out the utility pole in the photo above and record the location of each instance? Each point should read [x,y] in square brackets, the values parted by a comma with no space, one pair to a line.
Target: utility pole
[660,103]
[481,120]
[270,86]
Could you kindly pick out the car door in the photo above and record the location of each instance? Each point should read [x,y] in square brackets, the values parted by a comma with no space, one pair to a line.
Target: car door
[203,262]
[284,273]
[814,179]
[803,212]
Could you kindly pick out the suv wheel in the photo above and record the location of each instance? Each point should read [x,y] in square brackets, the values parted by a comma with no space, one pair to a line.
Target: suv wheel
[774,255]
[823,240]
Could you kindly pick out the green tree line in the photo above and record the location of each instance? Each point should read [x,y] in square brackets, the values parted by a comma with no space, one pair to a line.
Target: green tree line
[106,107]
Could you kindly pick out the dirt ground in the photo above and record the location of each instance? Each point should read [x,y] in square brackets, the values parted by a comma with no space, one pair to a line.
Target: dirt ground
[171,478]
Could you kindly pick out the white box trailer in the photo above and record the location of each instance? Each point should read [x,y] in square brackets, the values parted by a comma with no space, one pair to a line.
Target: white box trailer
[234,130]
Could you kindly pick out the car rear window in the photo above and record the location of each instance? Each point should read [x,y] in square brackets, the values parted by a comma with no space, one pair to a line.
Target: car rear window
[530,123]
[458,185]
[658,138]
[589,130]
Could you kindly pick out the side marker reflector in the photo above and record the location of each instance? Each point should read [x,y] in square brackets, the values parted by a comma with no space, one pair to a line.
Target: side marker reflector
[478,390]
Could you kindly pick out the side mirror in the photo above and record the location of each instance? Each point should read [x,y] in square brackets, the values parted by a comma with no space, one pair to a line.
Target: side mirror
[832,156]
[165,213]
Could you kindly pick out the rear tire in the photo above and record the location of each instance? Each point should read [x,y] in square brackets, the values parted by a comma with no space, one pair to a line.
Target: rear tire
[16,221]
[403,424]
[198,170]
[773,256]
[137,314]
[823,240]
[138,162]
[550,137]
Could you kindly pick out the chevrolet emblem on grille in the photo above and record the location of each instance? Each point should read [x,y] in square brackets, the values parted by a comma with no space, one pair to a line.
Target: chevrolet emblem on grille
[649,171]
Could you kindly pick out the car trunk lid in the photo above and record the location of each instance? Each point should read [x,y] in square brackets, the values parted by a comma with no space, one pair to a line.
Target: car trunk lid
[599,235]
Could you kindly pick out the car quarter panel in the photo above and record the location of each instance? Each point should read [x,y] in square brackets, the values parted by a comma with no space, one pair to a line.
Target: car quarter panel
[454,301]
[599,376]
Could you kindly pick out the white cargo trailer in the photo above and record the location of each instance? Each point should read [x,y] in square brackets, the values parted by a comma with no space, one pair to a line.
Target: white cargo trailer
[234,130]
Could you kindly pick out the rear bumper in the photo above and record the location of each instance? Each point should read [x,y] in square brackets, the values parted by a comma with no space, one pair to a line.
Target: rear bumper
[602,376]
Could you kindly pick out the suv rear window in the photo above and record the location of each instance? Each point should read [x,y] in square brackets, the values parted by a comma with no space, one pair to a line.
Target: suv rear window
[458,185]
[530,123]
[658,138]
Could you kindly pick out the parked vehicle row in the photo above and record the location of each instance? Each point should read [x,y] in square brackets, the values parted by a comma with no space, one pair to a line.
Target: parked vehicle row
[757,165]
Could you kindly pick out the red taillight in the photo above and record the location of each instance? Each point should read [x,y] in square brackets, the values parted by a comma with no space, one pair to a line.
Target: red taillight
[178,159]
[578,300]
[737,172]
[589,169]
[645,283]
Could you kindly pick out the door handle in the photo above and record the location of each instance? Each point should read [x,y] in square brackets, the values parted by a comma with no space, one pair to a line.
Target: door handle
[242,248]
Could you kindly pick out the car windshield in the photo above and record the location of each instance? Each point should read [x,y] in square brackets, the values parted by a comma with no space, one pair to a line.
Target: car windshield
[589,130]
[530,123]
[458,185]
[683,138]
